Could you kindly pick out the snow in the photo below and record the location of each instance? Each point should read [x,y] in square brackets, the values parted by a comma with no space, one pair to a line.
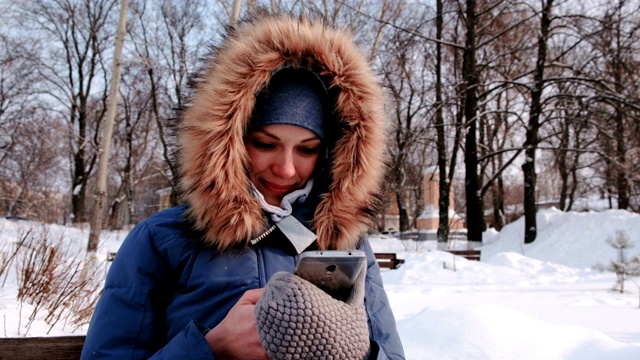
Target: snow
[537,301]
[431,212]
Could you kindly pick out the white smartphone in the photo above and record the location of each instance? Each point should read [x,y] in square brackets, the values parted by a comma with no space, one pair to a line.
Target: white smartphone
[334,271]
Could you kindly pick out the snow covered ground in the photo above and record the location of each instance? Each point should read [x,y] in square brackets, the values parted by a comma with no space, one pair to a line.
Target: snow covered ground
[547,305]
[536,301]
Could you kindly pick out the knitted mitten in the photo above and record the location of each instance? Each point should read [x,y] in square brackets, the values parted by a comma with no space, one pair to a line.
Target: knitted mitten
[297,320]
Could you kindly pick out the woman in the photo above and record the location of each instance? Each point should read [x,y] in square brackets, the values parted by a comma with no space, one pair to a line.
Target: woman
[280,150]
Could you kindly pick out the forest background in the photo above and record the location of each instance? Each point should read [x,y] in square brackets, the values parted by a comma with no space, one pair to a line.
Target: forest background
[515,103]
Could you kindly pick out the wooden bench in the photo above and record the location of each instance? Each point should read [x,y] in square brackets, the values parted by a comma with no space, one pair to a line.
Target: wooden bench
[389,260]
[42,348]
[468,254]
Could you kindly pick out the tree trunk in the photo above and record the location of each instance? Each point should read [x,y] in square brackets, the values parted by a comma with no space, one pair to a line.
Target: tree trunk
[531,142]
[497,193]
[443,181]
[622,182]
[563,169]
[114,211]
[617,66]
[235,12]
[80,172]
[403,221]
[129,184]
[101,192]
[79,185]
[162,135]
[475,222]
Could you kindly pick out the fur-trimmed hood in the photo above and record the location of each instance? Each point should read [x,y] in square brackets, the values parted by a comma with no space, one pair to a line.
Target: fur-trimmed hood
[211,155]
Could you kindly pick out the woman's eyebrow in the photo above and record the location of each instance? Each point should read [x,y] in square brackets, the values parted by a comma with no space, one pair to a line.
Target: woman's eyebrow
[275,137]
[311,139]
[266,133]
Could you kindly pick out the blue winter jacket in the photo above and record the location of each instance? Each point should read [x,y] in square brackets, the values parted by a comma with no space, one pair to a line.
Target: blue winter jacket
[165,290]
[167,285]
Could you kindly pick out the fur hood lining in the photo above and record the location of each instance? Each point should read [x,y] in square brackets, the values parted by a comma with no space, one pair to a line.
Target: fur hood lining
[211,153]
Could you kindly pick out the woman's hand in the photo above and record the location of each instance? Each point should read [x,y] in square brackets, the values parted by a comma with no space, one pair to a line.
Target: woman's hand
[236,337]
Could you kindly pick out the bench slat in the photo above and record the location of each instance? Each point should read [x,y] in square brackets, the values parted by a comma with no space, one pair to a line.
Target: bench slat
[388,260]
[468,254]
[385,256]
[41,348]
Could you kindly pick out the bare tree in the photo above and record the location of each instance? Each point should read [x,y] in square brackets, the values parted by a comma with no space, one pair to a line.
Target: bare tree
[535,111]
[406,76]
[16,93]
[447,115]
[30,147]
[617,90]
[497,135]
[32,170]
[475,223]
[484,24]
[444,185]
[136,148]
[72,37]
[112,103]
[166,41]
[573,142]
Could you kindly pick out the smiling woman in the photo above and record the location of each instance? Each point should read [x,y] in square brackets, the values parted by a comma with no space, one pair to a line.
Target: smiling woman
[283,157]
[286,132]
[280,151]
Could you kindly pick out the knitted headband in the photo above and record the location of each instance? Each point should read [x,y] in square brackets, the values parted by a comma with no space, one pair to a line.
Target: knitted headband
[293,97]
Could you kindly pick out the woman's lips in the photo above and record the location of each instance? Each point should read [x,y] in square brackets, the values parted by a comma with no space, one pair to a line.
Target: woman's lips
[277,189]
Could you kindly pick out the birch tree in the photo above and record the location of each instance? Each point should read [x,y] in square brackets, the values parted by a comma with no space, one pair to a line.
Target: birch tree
[112,103]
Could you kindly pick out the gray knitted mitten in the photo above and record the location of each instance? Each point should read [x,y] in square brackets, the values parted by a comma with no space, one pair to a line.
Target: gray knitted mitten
[297,320]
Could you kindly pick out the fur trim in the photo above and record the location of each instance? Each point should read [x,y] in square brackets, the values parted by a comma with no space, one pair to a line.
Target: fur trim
[211,154]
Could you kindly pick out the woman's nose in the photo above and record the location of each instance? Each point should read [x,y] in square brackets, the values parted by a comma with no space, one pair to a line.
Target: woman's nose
[284,166]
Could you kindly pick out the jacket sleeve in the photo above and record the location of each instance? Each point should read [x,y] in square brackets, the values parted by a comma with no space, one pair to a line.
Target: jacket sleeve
[129,320]
[385,341]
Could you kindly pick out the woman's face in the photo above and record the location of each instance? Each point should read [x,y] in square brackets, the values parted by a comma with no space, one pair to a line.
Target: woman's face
[283,158]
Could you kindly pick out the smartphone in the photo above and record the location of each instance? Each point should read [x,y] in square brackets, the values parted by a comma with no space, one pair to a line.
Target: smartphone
[334,271]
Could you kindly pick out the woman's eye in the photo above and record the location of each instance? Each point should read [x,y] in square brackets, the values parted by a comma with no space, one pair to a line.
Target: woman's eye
[309,150]
[263,145]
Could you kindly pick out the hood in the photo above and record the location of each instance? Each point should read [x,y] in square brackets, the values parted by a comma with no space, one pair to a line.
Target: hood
[213,162]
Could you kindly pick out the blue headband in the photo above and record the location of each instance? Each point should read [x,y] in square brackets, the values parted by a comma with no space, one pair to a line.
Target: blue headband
[293,97]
